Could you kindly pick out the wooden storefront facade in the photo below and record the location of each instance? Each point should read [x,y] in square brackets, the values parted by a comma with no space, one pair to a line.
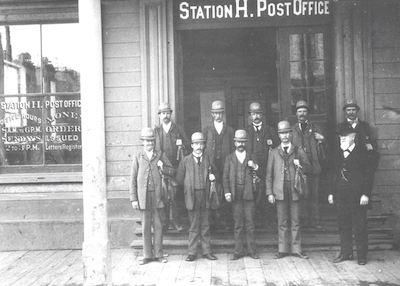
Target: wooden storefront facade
[159,50]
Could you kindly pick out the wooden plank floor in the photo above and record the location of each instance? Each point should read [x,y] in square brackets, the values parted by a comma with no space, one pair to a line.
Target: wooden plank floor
[64,267]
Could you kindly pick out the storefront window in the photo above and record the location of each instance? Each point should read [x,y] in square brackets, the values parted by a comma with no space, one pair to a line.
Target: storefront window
[307,71]
[40,107]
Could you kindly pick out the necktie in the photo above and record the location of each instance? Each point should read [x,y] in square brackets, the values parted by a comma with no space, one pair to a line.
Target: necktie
[303,126]
[257,128]
[198,160]
[286,149]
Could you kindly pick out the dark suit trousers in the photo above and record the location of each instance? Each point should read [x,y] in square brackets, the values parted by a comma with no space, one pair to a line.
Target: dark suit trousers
[289,240]
[352,216]
[243,216]
[151,216]
[199,225]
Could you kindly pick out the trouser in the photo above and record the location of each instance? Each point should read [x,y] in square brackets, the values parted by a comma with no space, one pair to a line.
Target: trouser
[150,216]
[199,225]
[289,240]
[169,210]
[243,216]
[309,206]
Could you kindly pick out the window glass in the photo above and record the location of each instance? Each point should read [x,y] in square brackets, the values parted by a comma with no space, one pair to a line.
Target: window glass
[40,112]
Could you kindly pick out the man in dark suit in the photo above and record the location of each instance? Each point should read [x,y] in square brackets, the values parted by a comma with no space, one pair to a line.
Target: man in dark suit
[308,135]
[195,172]
[280,179]
[238,189]
[351,196]
[170,138]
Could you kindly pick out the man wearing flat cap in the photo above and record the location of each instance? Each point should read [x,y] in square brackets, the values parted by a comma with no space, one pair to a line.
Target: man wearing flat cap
[308,136]
[238,189]
[172,140]
[282,163]
[351,196]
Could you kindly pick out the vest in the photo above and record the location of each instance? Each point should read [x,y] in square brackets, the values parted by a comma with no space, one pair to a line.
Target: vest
[150,181]
[167,146]
[218,146]
[240,168]
[199,183]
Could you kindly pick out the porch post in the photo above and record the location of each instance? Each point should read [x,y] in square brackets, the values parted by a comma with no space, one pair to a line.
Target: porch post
[96,254]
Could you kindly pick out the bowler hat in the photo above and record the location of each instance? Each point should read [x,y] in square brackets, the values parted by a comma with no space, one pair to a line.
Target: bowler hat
[255,107]
[284,126]
[351,103]
[164,107]
[302,104]
[197,137]
[147,133]
[217,106]
[240,135]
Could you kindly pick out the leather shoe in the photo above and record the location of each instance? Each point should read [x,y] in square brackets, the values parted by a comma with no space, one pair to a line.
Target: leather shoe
[362,261]
[254,256]
[300,255]
[342,257]
[191,257]
[144,261]
[280,255]
[236,257]
[210,256]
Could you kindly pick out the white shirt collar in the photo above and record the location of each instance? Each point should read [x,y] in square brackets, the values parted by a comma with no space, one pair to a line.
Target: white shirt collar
[218,126]
[286,145]
[257,125]
[241,156]
[167,127]
[351,148]
[196,155]
[149,154]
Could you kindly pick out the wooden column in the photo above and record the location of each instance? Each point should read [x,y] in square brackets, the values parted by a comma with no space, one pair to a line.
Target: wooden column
[96,254]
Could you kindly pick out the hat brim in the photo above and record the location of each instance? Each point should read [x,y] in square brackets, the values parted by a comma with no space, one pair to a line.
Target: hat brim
[165,110]
[303,106]
[351,105]
[147,138]
[240,139]
[285,130]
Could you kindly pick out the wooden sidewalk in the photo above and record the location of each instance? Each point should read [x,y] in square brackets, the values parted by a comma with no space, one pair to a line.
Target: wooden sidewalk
[64,267]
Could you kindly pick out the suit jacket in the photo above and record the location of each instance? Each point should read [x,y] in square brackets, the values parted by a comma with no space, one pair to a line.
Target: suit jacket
[229,176]
[356,172]
[140,171]
[227,134]
[308,143]
[275,171]
[176,132]
[185,176]
[363,135]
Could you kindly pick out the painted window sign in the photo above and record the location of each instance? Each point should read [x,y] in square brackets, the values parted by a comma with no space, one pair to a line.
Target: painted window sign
[246,9]
[40,106]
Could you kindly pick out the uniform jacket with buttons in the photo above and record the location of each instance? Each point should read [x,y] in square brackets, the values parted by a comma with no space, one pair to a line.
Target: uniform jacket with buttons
[140,171]
[275,171]
[185,177]
[229,176]
[227,134]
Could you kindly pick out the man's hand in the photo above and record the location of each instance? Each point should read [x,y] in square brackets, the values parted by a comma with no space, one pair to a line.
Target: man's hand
[296,162]
[318,136]
[369,146]
[228,197]
[160,164]
[330,199]
[211,177]
[364,200]
[178,142]
[251,164]
[271,199]
[135,205]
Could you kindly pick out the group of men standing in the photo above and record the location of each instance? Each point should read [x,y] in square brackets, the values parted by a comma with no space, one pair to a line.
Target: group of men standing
[238,161]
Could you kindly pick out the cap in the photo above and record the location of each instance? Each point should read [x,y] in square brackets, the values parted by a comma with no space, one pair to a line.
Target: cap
[240,135]
[351,103]
[255,107]
[284,126]
[302,104]
[164,107]
[197,137]
[147,133]
[217,106]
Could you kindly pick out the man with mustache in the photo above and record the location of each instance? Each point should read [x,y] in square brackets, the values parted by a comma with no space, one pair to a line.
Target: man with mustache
[169,138]
[195,172]
[308,135]
[145,193]
[238,189]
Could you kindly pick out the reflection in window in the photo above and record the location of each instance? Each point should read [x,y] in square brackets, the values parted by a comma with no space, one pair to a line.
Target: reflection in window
[307,71]
[40,113]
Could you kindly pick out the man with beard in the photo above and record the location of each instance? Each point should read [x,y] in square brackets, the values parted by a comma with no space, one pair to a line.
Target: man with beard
[351,196]
[195,172]
[170,138]
[145,193]
[238,189]
[219,143]
[281,166]
[308,135]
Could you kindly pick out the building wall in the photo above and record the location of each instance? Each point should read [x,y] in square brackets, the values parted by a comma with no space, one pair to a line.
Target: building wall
[386,90]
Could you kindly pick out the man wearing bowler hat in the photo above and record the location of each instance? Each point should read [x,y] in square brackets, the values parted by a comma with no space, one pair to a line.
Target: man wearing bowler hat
[351,196]
[281,166]
[238,189]
[195,172]
[172,140]
[145,193]
[308,135]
